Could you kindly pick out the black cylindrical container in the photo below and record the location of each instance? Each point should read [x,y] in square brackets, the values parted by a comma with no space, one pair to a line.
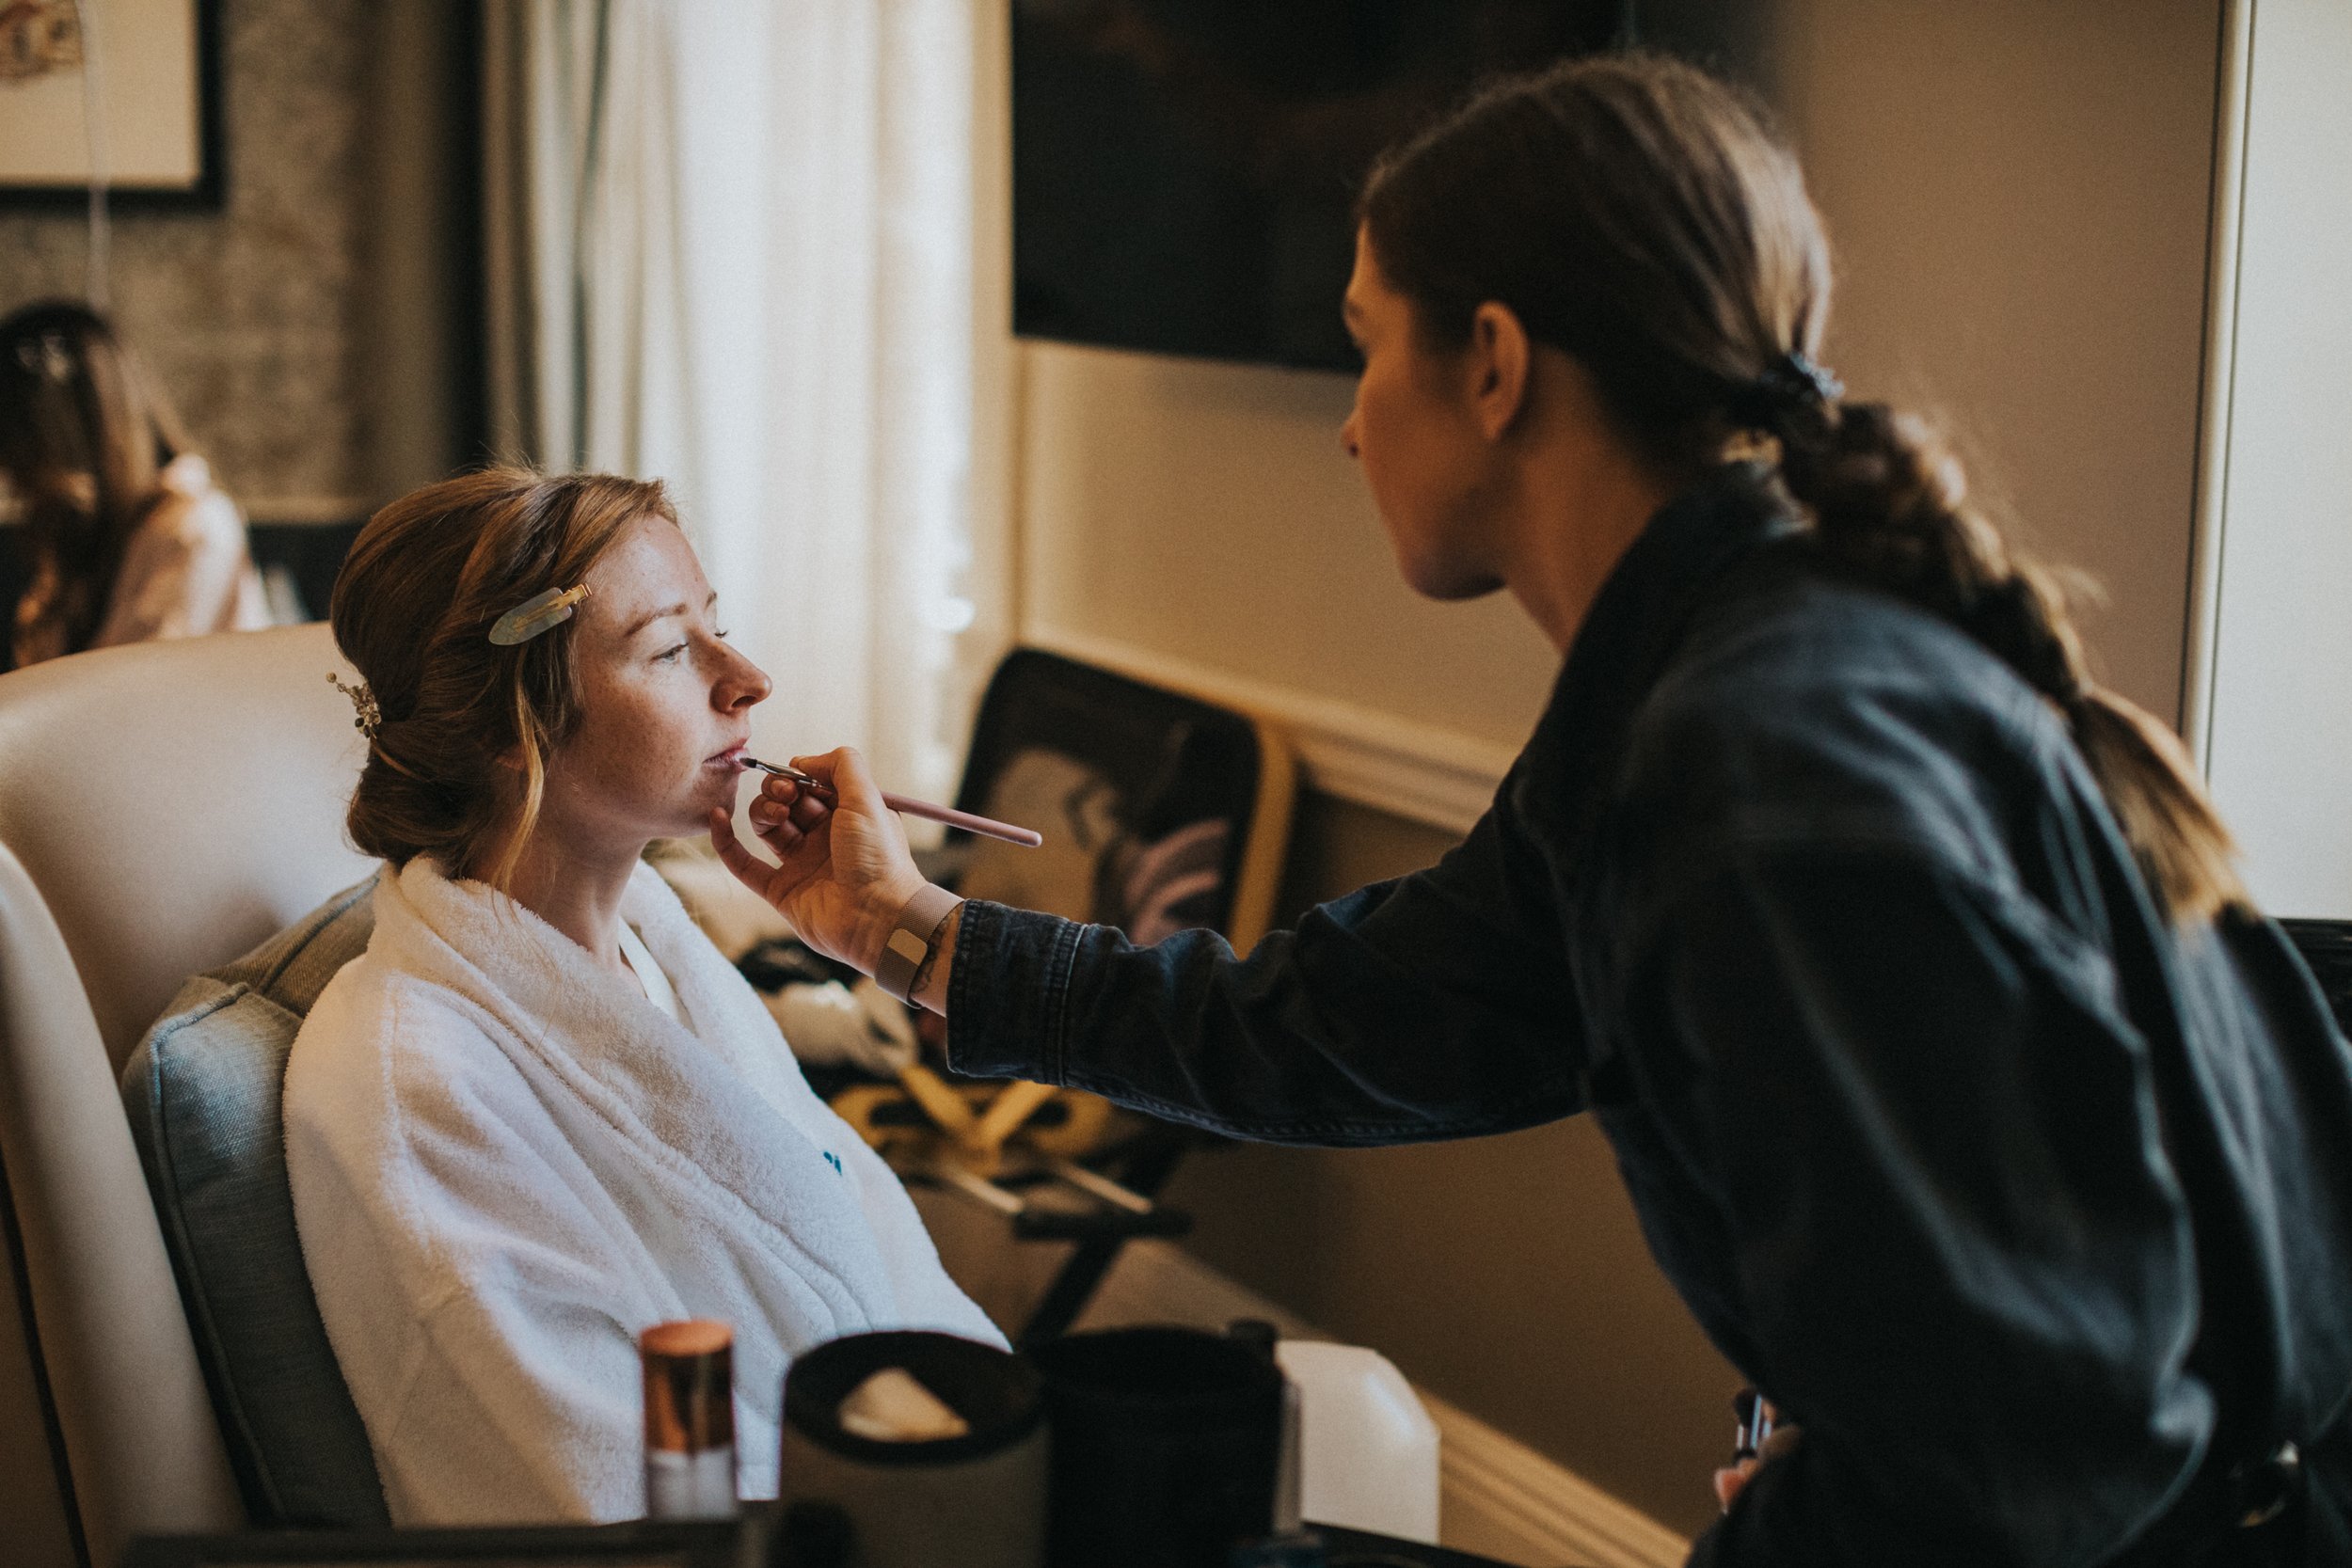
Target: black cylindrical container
[1166,1445]
[977,1500]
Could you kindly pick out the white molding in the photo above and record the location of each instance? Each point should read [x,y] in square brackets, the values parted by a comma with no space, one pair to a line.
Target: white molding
[1503,1500]
[2217,394]
[1421,772]
[1497,1497]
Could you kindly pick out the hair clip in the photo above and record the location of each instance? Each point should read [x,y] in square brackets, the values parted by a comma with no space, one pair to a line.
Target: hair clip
[1808,379]
[371,718]
[1789,385]
[535,614]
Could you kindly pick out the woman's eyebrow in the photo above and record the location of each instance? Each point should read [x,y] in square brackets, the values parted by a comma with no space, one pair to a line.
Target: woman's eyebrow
[664,613]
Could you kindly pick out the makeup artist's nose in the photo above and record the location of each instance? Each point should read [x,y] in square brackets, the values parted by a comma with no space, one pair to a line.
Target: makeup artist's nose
[1348,434]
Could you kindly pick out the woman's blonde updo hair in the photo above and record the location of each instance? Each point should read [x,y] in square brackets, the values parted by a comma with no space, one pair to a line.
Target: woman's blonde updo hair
[423,583]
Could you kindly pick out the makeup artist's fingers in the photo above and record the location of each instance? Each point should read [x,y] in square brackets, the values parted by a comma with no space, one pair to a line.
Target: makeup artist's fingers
[789,800]
[1729,1483]
[845,772]
[868,863]
[821,766]
[783,840]
[769,816]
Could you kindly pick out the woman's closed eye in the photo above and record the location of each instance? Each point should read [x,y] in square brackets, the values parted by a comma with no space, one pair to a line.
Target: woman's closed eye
[670,653]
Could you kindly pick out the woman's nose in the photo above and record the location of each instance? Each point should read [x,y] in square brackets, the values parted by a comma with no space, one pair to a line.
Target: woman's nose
[1347,435]
[743,682]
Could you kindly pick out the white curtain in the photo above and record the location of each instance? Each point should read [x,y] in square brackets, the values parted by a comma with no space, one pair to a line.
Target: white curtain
[730,247]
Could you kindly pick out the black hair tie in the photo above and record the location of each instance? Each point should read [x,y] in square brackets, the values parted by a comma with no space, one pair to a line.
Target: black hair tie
[1792,383]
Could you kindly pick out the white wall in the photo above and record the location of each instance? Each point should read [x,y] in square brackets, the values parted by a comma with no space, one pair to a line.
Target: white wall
[2018,193]
[1198,524]
[2279,737]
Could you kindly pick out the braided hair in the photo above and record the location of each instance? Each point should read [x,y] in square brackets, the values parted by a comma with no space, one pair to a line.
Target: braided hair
[1640,217]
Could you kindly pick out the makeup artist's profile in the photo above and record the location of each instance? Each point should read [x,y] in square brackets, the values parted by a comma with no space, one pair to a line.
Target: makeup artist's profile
[1965,1098]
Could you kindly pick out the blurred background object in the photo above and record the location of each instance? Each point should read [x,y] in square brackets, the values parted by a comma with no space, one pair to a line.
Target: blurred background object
[124,536]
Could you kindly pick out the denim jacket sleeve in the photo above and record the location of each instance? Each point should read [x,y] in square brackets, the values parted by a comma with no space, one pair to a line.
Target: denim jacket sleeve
[1436,1005]
[1960,1252]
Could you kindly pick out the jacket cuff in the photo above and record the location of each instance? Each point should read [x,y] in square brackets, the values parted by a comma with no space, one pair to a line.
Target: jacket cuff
[1008,995]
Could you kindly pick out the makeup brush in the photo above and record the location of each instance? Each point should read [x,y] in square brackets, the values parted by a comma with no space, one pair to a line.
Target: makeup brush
[964,820]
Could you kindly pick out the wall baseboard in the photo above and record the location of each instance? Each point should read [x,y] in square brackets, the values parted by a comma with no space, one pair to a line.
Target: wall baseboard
[1497,1497]
[1500,1498]
[1422,772]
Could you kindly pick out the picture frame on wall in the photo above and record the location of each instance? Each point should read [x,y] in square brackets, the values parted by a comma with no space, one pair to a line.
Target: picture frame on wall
[131,87]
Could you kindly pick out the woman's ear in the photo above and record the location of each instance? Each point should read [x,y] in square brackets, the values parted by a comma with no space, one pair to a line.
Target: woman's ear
[1496,369]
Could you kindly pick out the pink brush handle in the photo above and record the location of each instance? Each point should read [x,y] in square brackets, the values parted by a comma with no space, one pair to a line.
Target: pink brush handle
[1026,838]
[911,807]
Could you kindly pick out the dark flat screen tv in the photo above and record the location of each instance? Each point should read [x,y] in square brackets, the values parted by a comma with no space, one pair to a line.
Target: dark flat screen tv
[1183,171]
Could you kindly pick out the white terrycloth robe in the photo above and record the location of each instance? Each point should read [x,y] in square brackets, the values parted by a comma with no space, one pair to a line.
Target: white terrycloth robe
[506,1163]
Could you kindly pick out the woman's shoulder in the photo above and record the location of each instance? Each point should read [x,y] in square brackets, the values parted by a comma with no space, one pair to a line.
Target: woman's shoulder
[381,1035]
[190,510]
[1806,706]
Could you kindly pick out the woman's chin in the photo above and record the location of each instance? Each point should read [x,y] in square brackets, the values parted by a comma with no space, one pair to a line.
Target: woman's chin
[694,810]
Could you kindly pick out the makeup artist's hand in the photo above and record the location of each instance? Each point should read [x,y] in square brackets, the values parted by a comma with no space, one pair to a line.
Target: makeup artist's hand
[843,870]
[1729,1482]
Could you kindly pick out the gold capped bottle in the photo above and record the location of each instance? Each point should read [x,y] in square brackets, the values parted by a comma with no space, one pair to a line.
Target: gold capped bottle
[689,1420]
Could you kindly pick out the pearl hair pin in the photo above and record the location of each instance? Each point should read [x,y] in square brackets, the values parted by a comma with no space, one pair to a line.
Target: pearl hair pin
[370,716]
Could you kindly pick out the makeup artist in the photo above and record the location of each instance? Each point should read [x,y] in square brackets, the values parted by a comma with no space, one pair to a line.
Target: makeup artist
[1972,1109]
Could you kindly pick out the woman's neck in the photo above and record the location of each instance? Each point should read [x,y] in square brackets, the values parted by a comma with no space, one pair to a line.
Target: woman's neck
[575,887]
[1579,494]
[1576,523]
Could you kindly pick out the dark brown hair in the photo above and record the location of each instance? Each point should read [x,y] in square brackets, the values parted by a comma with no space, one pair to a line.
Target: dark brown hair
[423,585]
[1642,217]
[83,437]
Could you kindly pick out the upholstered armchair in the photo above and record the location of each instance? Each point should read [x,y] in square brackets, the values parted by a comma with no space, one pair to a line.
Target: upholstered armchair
[163,808]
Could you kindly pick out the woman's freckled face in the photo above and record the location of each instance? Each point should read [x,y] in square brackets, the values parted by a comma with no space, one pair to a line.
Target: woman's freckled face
[663,699]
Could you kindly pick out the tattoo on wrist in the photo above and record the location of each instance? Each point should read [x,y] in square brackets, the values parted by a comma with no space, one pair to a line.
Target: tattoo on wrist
[922,975]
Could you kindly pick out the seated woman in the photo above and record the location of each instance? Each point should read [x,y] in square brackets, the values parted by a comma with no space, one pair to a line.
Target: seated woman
[541,1112]
[125,533]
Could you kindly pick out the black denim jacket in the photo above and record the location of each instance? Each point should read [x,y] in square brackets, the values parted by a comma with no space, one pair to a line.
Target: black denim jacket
[2031,1207]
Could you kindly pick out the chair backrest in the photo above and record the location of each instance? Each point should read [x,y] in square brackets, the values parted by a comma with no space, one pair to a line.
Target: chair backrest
[1160,810]
[163,808]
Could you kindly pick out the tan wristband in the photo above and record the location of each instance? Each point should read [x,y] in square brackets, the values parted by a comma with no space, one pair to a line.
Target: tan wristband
[909,941]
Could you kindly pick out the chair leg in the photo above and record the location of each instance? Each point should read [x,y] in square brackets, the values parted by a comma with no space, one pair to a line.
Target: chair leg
[1146,1173]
